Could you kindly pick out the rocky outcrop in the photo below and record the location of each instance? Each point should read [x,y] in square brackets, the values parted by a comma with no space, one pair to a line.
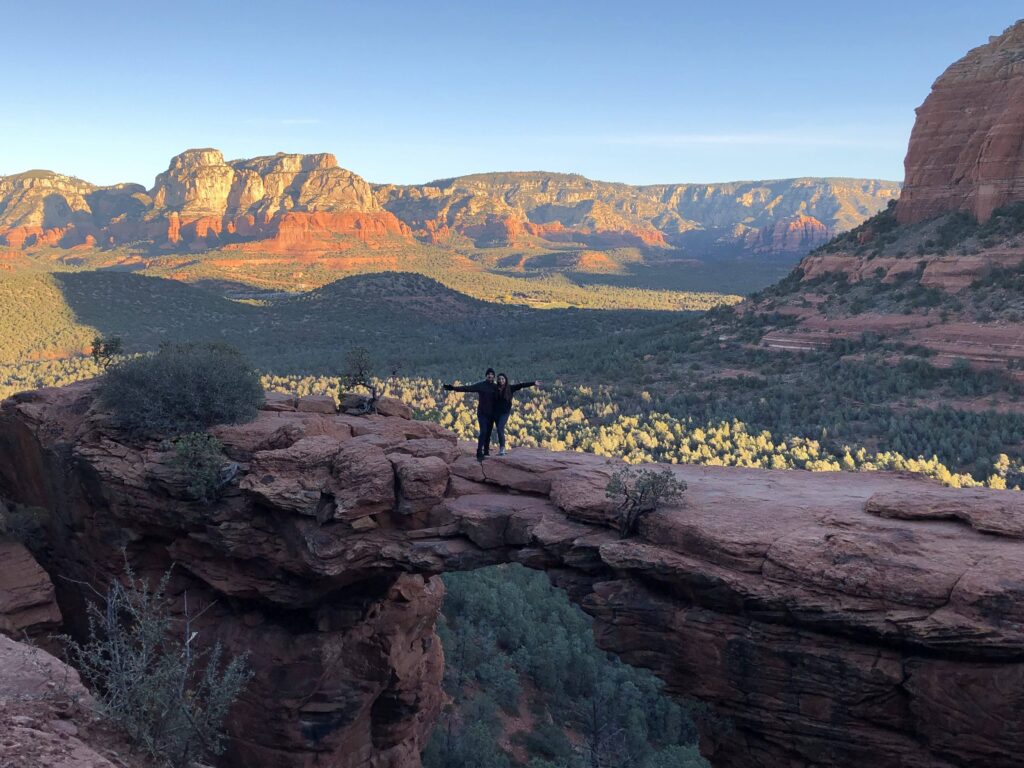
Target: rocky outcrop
[28,606]
[779,217]
[827,619]
[797,234]
[48,718]
[967,147]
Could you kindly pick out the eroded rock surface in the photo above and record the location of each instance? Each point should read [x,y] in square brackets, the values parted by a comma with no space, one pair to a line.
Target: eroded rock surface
[28,606]
[48,718]
[827,619]
[967,147]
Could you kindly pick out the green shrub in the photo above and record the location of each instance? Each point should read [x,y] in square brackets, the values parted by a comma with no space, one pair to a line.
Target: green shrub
[170,697]
[200,458]
[182,388]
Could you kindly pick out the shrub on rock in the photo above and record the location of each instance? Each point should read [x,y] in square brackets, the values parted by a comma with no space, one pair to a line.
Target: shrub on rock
[151,677]
[182,388]
[639,492]
[200,458]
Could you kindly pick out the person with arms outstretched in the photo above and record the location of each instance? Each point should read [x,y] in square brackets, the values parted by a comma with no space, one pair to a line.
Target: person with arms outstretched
[485,410]
[503,405]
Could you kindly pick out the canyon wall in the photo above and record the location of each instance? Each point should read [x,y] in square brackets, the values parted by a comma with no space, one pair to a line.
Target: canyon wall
[966,151]
[826,619]
[772,217]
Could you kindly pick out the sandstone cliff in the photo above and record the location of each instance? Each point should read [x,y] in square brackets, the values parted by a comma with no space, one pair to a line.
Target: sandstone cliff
[827,619]
[763,216]
[967,148]
[289,202]
[938,270]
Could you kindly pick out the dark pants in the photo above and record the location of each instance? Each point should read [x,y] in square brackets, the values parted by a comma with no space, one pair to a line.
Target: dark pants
[483,442]
[499,422]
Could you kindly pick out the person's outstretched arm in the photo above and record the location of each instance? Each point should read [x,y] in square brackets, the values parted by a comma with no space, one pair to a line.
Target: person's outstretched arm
[467,388]
[524,385]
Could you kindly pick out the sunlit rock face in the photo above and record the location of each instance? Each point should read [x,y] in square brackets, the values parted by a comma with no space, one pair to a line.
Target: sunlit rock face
[306,203]
[827,619]
[288,202]
[200,183]
[506,209]
[967,148]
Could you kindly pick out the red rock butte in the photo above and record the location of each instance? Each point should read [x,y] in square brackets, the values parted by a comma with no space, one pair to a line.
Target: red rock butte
[827,619]
[966,150]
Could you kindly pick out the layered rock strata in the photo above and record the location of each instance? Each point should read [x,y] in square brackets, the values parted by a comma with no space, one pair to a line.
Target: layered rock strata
[776,217]
[284,202]
[306,203]
[827,619]
[966,150]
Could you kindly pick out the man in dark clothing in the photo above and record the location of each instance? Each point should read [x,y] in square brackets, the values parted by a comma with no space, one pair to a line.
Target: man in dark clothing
[486,411]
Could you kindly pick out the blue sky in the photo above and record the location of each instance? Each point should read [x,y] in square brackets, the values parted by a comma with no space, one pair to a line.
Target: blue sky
[406,92]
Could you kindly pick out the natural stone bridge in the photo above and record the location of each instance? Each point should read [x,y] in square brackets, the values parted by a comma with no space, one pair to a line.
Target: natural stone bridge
[827,619]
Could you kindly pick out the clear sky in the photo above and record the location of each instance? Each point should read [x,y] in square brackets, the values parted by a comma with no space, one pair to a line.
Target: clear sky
[401,91]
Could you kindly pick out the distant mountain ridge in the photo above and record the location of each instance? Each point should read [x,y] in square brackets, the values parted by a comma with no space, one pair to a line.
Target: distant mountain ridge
[776,216]
[307,203]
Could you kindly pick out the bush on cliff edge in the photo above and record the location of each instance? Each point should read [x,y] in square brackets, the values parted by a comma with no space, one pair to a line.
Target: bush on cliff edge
[182,388]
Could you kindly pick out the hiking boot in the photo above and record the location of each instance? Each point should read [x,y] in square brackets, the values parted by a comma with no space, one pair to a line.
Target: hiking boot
[501,452]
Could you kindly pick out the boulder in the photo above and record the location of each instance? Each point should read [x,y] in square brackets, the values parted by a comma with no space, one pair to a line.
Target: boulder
[422,481]
[48,718]
[317,404]
[28,606]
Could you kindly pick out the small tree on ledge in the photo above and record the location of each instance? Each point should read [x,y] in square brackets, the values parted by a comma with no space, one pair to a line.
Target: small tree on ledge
[640,492]
[105,349]
[359,373]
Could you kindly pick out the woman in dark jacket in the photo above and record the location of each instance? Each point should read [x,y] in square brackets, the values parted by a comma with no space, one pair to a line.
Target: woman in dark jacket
[503,405]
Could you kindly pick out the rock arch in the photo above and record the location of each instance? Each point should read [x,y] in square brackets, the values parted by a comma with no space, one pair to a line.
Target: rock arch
[827,619]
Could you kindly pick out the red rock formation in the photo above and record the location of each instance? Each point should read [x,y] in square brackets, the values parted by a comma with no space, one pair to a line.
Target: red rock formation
[797,234]
[828,619]
[28,607]
[306,232]
[48,719]
[203,201]
[496,231]
[967,148]
[570,208]
[294,202]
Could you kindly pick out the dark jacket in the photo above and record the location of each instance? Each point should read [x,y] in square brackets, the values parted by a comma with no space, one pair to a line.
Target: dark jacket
[504,404]
[488,392]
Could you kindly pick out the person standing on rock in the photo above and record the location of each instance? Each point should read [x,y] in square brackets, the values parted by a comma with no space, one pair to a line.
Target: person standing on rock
[485,410]
[503,405]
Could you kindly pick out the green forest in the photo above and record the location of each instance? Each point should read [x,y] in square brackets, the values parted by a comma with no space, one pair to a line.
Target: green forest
[546,699]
